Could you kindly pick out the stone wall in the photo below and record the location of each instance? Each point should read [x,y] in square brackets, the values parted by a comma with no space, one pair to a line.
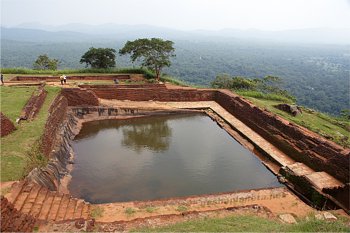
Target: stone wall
[14,221]
[6,125]
[55,145]
[301,144]
[160,94]
[297,142]
[80,97]
[57,115]
[69,77]
[34,104]
[152,86]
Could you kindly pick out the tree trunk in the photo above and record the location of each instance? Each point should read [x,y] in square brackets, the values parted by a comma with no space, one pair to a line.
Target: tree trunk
[157,74]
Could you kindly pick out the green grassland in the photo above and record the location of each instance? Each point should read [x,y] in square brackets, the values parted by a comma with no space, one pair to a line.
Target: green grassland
[15,145]
[14,99]
[250,223]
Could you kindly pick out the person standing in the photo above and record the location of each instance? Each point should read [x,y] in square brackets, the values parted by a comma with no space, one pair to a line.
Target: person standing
[2,79]
[63,79]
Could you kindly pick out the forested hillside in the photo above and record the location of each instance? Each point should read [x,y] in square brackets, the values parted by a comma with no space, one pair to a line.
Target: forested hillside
[317,75]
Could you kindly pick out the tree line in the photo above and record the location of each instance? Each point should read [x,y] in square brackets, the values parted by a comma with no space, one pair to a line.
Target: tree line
[154,53]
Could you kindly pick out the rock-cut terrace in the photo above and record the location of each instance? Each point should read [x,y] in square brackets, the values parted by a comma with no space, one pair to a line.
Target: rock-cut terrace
[315,171]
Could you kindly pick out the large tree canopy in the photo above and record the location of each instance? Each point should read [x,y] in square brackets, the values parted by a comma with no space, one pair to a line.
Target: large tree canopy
[43,62]
[154,53]
[100,58]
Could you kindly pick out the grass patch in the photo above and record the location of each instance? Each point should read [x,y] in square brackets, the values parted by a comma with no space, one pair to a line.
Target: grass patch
[34,158]
[151,209]
[249,223]
[13,100]
[130,211]
[182,208]
[260,95]
[333,128]
[166,78]
[97,212]
[15,146]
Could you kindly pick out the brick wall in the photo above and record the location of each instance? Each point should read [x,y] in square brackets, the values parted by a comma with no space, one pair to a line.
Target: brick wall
[152,86]
[34,103]
[160,94]
[6,125]
[57,78]
[299,143]
[78,97]
[14,221]
[57,114]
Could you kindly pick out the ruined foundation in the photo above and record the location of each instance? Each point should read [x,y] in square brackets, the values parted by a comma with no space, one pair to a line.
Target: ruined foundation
[302,146]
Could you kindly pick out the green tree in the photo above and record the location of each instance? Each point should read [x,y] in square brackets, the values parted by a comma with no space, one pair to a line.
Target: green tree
[345,114]
[43,62]
[100,58]
[153,53]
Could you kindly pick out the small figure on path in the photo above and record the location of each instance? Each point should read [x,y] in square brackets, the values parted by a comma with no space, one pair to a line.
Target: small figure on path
[2,79]
[64,79]
[115,81]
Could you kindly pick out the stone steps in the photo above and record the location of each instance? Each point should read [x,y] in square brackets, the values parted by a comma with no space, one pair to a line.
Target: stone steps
[46,205]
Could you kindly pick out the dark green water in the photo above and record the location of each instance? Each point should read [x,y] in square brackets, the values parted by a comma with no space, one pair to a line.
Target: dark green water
[161,157]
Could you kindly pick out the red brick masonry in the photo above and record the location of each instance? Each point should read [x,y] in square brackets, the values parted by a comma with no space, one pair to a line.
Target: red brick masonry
[6,125]
[34,103]
[57,78]
[301,144]
[14,221]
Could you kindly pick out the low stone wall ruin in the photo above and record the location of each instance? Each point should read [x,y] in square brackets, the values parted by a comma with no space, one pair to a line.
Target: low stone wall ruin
[301,144]
[146,94]
[297,142]
[34,104]
[149,85]
[80,97]
[14,221]
[69,77]
[6,125]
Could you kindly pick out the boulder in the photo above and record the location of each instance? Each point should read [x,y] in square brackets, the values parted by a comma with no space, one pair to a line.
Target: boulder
[291,109]
[287,218]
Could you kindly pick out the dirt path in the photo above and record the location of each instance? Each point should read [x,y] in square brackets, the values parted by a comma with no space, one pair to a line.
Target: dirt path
[277,200]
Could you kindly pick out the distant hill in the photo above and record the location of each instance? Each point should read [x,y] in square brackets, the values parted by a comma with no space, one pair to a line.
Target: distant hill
[316,73]
[77,32]
[37,35]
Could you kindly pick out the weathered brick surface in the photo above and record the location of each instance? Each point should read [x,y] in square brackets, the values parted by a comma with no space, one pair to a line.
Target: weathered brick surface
[14,221]
[79,97]
[301,144]
[57,78]
[6,125]
[57,114]
[34,103]
[160,94]
[152,86]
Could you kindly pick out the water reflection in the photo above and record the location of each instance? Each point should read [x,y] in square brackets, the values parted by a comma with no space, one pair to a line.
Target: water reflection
[160,157]
[154,136]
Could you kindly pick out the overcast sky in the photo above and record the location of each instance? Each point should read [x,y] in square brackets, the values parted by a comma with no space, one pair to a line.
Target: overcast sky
[182,14]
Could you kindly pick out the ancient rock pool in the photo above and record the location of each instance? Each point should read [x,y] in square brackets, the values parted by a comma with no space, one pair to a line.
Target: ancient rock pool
[161,157]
